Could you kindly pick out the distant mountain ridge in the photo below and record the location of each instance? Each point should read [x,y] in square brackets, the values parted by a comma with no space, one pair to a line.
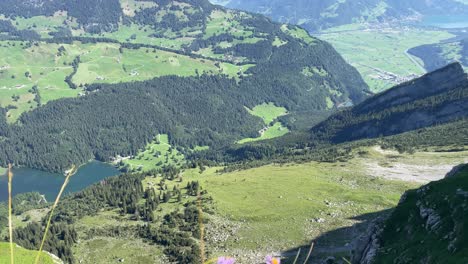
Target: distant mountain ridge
[436,98]
[320,14]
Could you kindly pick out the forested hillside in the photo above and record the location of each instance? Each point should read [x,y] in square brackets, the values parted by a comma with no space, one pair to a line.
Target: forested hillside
[318,14]
[209,64]
[438,55]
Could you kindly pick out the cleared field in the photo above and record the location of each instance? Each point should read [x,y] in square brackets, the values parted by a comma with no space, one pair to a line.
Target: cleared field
[271,198]
[46,66]
[130,7]
[23,66]
[141,35]
[42,24]
[379,53]
[223,22]
[110,250]
[22,255]
[269,112]
[156,154]
[105,63]
[299,33]
[274,131]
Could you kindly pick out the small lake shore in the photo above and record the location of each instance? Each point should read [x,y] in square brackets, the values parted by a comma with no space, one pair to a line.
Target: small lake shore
[47,183]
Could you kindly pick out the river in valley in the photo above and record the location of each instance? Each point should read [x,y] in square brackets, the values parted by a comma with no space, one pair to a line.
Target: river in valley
[49,184]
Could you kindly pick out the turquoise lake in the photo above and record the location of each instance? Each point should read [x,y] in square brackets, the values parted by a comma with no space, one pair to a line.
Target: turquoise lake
[49,184]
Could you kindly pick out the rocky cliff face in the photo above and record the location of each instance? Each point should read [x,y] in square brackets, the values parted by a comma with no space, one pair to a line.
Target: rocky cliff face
[429,225]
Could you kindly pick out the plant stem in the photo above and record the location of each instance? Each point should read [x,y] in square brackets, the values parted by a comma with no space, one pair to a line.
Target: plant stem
[202,228]
[51,213]
[310,252]
[10,213]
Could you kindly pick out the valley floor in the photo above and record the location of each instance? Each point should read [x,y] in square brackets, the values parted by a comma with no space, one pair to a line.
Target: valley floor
[379,51]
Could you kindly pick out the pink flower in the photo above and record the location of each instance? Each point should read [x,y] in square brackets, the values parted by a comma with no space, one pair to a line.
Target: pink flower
[272,260]
[225,260]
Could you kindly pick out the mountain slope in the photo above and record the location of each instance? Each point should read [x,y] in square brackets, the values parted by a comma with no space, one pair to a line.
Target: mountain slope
[315,15]
[209,63]
[438,55]
[429,225]
[75,46]
[436,98]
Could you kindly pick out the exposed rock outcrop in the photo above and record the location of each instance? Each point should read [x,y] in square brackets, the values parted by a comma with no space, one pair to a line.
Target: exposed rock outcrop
[365,248]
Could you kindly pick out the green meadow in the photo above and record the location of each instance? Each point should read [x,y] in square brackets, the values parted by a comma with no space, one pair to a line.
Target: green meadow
[298,33]
[156,153]
[280,207]
[268,112]
[104,63]
[277,130]
[110,250]
[23,66]
[22,255]
[261,200]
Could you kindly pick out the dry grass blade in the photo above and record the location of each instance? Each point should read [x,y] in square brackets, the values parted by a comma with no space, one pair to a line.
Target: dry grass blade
[51,213]
[310,252]
[297,256]
[10,213]
[202,228]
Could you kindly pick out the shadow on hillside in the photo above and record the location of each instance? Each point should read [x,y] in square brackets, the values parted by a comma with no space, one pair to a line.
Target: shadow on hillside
[337,243]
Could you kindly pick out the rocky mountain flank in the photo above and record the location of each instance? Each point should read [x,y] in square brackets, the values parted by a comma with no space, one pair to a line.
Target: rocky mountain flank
[429,225]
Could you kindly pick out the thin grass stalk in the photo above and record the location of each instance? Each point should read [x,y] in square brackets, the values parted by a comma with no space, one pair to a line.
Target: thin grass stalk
[51,213]
[10,213]
[297,256]
[202,228]
[310,252]
[345,260]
